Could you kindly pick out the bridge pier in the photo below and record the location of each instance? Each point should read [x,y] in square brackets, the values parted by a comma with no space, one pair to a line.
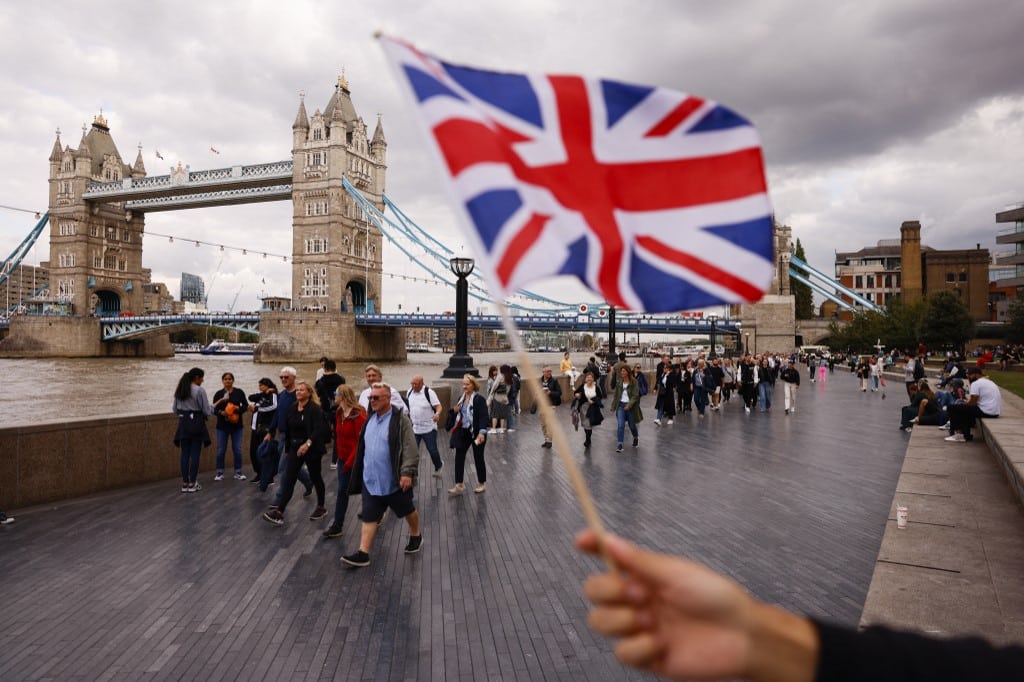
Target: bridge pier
[305,337]
[48,336]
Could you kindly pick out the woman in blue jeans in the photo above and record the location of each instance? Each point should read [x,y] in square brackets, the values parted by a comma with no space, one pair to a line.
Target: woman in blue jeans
[229,404]
[192,407]
[626,401]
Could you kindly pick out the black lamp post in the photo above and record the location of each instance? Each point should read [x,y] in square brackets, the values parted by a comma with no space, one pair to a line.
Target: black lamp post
[746,343]
[461,363]
[714,341]
[611,330]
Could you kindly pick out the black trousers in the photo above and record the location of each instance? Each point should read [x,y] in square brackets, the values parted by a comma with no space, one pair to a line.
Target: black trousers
[462,444]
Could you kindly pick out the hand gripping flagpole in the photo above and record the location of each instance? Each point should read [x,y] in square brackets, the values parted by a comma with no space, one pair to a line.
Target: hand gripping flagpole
[558,437]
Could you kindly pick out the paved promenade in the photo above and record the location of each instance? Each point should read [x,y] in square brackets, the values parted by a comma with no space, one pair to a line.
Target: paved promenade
[149,583]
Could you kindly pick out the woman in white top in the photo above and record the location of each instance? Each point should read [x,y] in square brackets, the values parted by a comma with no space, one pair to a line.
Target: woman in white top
[876,373]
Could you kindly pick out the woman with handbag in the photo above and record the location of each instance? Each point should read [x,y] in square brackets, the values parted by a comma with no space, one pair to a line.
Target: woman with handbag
[497,399]
[192,407]
[588,406]
[470,430]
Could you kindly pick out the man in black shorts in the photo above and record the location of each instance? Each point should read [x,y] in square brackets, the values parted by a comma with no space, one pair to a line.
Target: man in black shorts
[385,473]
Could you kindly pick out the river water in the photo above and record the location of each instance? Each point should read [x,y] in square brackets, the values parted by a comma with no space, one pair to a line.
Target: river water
[55,390]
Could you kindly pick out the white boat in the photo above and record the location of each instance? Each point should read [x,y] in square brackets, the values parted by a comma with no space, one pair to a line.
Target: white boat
[219,347]
[422,348]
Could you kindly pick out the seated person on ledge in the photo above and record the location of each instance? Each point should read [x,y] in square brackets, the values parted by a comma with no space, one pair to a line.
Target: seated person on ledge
[984,400]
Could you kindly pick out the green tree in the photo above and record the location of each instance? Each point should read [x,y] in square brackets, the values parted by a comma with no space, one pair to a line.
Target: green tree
[902,326]
[859,334]
[946,322]
[801,292]
[1015,322]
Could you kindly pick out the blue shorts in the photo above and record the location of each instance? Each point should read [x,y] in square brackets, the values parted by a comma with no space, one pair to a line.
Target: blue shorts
[374,506]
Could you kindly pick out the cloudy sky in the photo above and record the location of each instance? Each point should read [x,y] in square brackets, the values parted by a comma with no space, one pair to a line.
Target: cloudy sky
[871,113]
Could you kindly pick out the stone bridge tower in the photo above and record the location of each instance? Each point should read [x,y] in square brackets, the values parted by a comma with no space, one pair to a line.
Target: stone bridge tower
[95,248]
[337,255]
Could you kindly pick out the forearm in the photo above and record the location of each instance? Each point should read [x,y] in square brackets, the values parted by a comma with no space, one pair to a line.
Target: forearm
[784,646]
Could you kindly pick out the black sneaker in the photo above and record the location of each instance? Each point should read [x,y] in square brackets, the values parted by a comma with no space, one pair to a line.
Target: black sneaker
[357,559]
[636,442]
[415,543]
[547,444]
[274,516]
[318,514]
[333,531]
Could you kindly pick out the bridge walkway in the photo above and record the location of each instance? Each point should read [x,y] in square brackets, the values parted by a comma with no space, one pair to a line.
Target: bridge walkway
[152,583]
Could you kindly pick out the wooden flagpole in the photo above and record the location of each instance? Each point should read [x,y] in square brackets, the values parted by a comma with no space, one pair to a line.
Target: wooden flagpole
[558,437]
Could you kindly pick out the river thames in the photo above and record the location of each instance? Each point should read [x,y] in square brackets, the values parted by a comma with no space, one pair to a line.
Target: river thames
[59,389]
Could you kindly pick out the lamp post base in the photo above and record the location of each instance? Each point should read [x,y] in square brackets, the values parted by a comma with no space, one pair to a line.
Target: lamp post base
[458,366]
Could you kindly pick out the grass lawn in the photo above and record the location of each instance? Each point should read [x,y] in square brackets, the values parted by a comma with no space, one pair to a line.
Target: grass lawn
[1010,380]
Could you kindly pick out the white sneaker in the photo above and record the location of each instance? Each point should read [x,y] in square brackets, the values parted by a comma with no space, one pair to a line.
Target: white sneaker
[658,422]
[746,409]
[956,438]
[240,476]
[219,477]
[457,489]
[669,421]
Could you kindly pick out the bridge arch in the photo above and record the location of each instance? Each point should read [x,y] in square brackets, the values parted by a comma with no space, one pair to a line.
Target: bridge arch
[355,297]
[107,302]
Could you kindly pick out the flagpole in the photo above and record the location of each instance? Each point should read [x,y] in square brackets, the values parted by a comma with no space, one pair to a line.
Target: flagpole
[558,436]
[544,408]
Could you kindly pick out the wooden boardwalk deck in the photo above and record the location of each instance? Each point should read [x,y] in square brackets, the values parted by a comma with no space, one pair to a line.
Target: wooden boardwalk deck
[149,583]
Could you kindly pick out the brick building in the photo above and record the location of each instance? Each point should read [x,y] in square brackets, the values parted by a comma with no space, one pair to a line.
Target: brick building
[907,268]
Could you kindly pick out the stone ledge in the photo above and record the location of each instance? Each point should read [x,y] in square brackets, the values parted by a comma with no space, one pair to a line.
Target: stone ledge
[1005,438]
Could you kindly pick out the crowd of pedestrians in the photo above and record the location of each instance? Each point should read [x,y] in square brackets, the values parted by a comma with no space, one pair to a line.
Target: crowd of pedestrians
[374,439]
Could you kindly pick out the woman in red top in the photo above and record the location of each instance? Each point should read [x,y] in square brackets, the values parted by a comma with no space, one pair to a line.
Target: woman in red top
[348,423]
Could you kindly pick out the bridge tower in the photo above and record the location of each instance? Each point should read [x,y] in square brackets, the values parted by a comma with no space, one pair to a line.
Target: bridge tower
[337,255]
[95,249]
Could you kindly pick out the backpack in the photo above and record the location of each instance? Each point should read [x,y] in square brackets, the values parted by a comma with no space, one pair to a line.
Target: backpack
[516,385]
[426,394]
[918,370]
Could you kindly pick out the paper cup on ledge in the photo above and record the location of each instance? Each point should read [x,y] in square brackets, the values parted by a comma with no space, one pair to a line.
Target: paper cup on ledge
[901,517]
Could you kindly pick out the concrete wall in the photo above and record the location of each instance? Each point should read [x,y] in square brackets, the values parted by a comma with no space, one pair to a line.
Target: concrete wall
[305,337]
[73,337]
[50,462]
[770,323]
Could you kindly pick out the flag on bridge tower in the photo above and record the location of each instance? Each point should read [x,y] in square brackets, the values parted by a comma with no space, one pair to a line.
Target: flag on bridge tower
[655,199]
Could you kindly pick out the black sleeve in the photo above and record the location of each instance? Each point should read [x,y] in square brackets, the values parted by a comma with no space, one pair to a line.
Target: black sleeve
[881,654]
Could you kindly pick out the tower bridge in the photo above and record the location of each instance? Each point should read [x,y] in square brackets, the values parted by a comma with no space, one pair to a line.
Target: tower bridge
[335,179]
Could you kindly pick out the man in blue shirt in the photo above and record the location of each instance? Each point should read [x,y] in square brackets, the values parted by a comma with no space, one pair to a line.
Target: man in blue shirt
[384,473]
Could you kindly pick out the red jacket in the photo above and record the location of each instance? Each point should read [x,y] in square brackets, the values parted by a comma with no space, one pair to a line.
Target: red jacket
[347,436]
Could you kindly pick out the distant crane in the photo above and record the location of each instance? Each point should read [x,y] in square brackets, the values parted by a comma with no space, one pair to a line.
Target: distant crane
[231,308]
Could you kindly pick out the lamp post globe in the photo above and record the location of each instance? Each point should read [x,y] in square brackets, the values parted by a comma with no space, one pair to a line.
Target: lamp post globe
[461,363]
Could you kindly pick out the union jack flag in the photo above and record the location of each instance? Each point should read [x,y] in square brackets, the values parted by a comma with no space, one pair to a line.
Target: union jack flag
[655,199]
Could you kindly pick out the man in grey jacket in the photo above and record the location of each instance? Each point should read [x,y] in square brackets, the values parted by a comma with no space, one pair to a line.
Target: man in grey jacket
[384,473]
